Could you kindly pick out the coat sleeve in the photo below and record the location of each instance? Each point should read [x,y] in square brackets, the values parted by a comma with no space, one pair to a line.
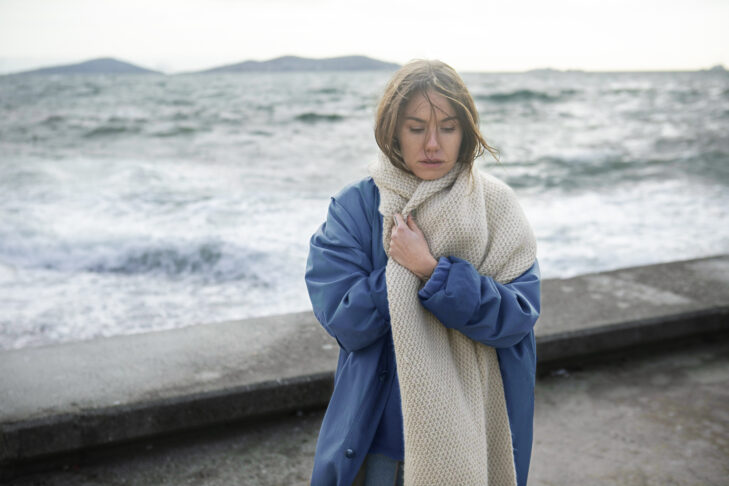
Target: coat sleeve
[498,315]
[348,295]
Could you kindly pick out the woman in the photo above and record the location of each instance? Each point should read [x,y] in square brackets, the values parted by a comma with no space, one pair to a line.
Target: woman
[426,275]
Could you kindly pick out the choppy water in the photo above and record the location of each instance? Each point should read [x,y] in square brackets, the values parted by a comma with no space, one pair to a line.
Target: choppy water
[137,203]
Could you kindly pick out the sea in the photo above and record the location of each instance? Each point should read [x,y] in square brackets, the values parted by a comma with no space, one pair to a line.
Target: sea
[131,204]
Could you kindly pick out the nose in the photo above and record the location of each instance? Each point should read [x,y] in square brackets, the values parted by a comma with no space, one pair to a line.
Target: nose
[431,142]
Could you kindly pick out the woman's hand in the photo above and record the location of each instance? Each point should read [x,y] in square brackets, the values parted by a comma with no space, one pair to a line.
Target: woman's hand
[409,248]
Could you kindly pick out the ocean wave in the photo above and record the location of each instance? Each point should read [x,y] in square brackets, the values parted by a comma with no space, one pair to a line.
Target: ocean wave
[174,131]
[525,95]
[580,173]
[710,165]
[629,91]
[329,90]
[121,119]
[112,126]
[311,117]
[179,102]
[207,261]
[169,260]
[89,90]
[53,120]
[686,96]
[110,130]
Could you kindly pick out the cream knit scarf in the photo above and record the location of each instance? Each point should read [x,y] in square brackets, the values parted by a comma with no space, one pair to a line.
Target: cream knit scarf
[454,412]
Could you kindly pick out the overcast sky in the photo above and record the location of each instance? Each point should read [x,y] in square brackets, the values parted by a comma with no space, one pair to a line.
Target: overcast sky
[485,35]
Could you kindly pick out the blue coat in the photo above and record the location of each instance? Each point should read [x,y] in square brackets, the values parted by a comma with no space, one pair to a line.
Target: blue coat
[345,276]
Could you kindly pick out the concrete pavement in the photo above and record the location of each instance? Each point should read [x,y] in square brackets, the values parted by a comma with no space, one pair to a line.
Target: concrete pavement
[658,419]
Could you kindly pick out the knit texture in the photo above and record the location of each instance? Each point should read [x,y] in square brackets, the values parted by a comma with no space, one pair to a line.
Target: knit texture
[454,411]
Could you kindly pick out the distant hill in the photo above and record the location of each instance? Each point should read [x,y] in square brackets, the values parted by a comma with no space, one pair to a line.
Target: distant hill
[543,71]
[293,63]
[105,65]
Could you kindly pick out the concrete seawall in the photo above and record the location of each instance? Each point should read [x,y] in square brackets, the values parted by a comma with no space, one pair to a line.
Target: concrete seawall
[69,397]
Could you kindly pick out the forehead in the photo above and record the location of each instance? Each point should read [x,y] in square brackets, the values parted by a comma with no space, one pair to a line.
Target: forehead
[421,106]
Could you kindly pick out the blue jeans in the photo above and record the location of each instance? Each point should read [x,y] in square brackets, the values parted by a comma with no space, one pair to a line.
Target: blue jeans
[379,470]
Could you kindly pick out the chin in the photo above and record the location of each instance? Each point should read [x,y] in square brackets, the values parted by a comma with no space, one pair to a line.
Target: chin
[431,176]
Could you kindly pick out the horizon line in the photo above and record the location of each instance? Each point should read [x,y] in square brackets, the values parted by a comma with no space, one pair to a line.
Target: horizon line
[28,70]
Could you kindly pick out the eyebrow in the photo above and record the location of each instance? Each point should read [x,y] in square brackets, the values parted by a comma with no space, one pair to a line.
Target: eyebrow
[420,120]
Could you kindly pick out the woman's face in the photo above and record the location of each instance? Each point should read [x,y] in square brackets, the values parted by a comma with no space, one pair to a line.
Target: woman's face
[430,135]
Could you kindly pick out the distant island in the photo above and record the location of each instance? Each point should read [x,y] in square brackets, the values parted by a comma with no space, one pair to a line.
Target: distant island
[106,65]
[543,71]
[294,63]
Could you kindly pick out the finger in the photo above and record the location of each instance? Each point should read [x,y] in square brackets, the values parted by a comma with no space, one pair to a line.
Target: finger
[398,219]
[412,225]
[411,222]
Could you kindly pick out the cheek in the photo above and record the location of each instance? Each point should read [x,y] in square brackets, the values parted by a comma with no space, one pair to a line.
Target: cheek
[408,144]
[455,146]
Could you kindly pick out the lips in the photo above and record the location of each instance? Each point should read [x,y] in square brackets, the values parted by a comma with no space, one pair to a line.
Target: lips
[431,162]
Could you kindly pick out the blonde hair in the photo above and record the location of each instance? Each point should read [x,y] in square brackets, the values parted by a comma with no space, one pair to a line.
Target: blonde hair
[421,76]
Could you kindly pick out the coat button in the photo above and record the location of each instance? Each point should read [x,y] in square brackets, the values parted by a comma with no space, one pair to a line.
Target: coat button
[349,453]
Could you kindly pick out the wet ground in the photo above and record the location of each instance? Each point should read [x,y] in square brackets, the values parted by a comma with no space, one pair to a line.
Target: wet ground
[654,418]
